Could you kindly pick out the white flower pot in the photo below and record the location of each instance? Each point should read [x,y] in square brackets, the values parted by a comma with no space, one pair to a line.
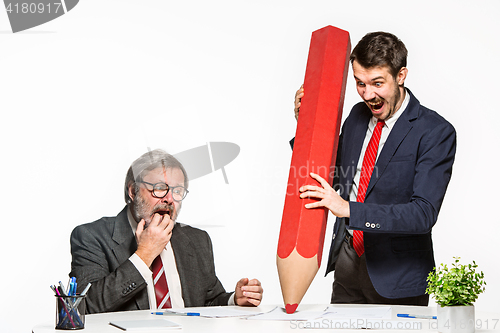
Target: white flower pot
[456,319]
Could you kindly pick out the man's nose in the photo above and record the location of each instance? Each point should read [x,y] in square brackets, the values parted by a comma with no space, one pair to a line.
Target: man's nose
[168,198]
[368,93]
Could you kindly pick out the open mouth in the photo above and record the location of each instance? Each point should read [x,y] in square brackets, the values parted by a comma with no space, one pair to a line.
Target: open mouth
[163,212]
[376,106]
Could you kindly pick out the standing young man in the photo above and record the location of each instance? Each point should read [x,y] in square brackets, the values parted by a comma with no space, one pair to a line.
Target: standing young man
[394,162]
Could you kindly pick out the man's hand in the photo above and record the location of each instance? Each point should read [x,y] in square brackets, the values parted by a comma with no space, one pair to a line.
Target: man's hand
[153,239]
[248,292]
[329,198]
[298,97]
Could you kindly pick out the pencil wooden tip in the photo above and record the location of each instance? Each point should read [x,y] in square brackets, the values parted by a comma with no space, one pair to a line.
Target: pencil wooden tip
[296,274]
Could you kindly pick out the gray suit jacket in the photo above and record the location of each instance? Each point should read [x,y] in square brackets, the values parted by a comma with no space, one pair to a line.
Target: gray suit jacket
[100,252]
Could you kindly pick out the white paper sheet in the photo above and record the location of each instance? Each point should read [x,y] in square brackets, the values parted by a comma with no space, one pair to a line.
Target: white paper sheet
[382,312]
[148,325]
[378,312]
[279,313]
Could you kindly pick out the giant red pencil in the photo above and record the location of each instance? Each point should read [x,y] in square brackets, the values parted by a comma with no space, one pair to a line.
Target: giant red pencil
[302,233]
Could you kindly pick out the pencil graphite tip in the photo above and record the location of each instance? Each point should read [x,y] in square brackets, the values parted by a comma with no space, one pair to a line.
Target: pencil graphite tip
[290,308]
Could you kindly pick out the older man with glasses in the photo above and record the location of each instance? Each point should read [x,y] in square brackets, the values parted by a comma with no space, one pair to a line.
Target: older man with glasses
[141,258]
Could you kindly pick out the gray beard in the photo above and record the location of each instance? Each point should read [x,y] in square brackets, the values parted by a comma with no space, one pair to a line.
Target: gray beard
[142,210]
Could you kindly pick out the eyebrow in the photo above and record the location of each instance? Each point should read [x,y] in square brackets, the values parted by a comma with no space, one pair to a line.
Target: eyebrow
[161,181]
[374,79]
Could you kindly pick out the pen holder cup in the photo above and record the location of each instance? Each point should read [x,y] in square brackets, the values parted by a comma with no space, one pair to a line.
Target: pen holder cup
[70,312]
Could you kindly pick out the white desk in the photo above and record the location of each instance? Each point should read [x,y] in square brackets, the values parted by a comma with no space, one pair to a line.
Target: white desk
[99,323]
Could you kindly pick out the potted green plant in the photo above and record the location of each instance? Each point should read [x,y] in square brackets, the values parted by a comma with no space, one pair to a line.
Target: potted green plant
[455,289]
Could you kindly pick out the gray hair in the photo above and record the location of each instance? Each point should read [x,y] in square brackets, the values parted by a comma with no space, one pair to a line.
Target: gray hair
[149,161]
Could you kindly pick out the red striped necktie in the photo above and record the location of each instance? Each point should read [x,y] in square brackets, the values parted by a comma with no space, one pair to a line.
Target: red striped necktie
[366,173]
[161,287]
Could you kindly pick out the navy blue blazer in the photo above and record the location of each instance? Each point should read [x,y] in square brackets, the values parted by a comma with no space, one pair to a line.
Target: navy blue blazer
[403,198]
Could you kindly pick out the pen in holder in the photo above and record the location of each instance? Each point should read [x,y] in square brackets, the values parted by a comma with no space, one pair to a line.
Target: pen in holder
[70,312]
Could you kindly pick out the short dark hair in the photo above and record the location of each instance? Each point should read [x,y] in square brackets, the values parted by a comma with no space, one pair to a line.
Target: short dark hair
[147,162]
[379,49]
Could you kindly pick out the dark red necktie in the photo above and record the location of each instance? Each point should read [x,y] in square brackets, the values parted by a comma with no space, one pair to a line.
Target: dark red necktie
[161,287]
[366,174]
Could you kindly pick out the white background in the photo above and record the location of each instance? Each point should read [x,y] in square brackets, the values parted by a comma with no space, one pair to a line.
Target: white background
[84,95]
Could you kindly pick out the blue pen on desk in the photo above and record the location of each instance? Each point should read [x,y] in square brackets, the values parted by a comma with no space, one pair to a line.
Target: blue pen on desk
[166,313]
[406,315]
[82,294]
[72,287]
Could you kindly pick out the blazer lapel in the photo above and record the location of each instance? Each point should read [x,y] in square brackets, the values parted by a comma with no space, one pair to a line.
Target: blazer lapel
[401,128]
[124,238]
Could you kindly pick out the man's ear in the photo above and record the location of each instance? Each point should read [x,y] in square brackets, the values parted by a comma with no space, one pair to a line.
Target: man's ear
[403,72]
[131,191]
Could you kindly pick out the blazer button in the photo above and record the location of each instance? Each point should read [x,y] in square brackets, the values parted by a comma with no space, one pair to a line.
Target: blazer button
[377,226]
[367,224]
[372,225]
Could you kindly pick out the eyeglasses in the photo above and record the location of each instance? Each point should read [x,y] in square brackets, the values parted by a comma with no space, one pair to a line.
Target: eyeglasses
[160,190]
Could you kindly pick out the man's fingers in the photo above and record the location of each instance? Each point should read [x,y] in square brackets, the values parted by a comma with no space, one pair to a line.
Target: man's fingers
[311,191]
[167,223]
[250,295]
[315,204]
[242,282]
[248,292]
[312,194]
[253,302]
[254,292]
[298,96]
[156,220]
[163,221]
[140,228]
[320,179]
[252,288]
[299,93]
[254,282]
[311,188]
